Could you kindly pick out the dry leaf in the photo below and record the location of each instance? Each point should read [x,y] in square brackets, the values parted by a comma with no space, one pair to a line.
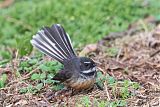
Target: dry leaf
[21,102]
[6,3]
[87,49]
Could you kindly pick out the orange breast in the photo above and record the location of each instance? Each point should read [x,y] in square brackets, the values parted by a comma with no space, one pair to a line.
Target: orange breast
[80,83]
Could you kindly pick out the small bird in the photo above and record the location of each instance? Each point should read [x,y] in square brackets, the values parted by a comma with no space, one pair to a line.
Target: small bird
[79,72]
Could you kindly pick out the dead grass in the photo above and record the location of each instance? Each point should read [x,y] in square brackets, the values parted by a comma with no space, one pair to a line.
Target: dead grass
[137,59]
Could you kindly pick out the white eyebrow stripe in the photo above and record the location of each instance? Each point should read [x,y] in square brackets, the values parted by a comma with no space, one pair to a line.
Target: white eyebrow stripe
[87,62]
[89,71]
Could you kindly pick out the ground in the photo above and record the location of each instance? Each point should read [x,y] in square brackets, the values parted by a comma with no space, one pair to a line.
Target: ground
[124,44]
[130,75]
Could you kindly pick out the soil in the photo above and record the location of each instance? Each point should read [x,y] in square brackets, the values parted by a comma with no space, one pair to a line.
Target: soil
[137,59]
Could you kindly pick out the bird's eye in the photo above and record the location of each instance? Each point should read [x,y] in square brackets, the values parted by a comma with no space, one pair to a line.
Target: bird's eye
[86,64]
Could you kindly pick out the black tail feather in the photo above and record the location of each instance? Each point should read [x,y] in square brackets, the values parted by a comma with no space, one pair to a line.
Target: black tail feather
[66,38]
[49,32]
[54,42]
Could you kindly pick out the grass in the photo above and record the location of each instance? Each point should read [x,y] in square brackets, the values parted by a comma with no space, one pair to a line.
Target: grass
[41,79]
[86,21]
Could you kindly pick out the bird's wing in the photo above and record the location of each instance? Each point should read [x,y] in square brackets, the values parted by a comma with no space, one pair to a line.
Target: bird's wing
[62,75]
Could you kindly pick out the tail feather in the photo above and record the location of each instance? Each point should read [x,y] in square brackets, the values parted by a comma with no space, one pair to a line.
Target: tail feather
[65,38]
[51,43]
[46,51]
[54,36]
[54,42]
[43,47]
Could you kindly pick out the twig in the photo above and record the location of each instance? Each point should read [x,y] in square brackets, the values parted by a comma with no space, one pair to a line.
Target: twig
[106,89]
[46,100]
[31,72]
[23,78]
[97,62]
[154,53]
[118,55]
[103,72]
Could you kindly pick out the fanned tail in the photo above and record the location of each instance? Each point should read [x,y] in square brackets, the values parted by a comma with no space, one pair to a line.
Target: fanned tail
[54,42]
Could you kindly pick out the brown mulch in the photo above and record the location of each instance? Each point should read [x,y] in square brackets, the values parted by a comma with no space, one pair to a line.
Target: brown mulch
[137,59]
[140,55]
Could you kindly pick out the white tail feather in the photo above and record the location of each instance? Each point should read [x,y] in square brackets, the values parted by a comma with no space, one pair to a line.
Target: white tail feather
[51,43]
[54,42]
[37,45]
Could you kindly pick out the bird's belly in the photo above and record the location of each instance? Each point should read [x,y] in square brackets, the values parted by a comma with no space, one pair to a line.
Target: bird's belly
[80,83]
